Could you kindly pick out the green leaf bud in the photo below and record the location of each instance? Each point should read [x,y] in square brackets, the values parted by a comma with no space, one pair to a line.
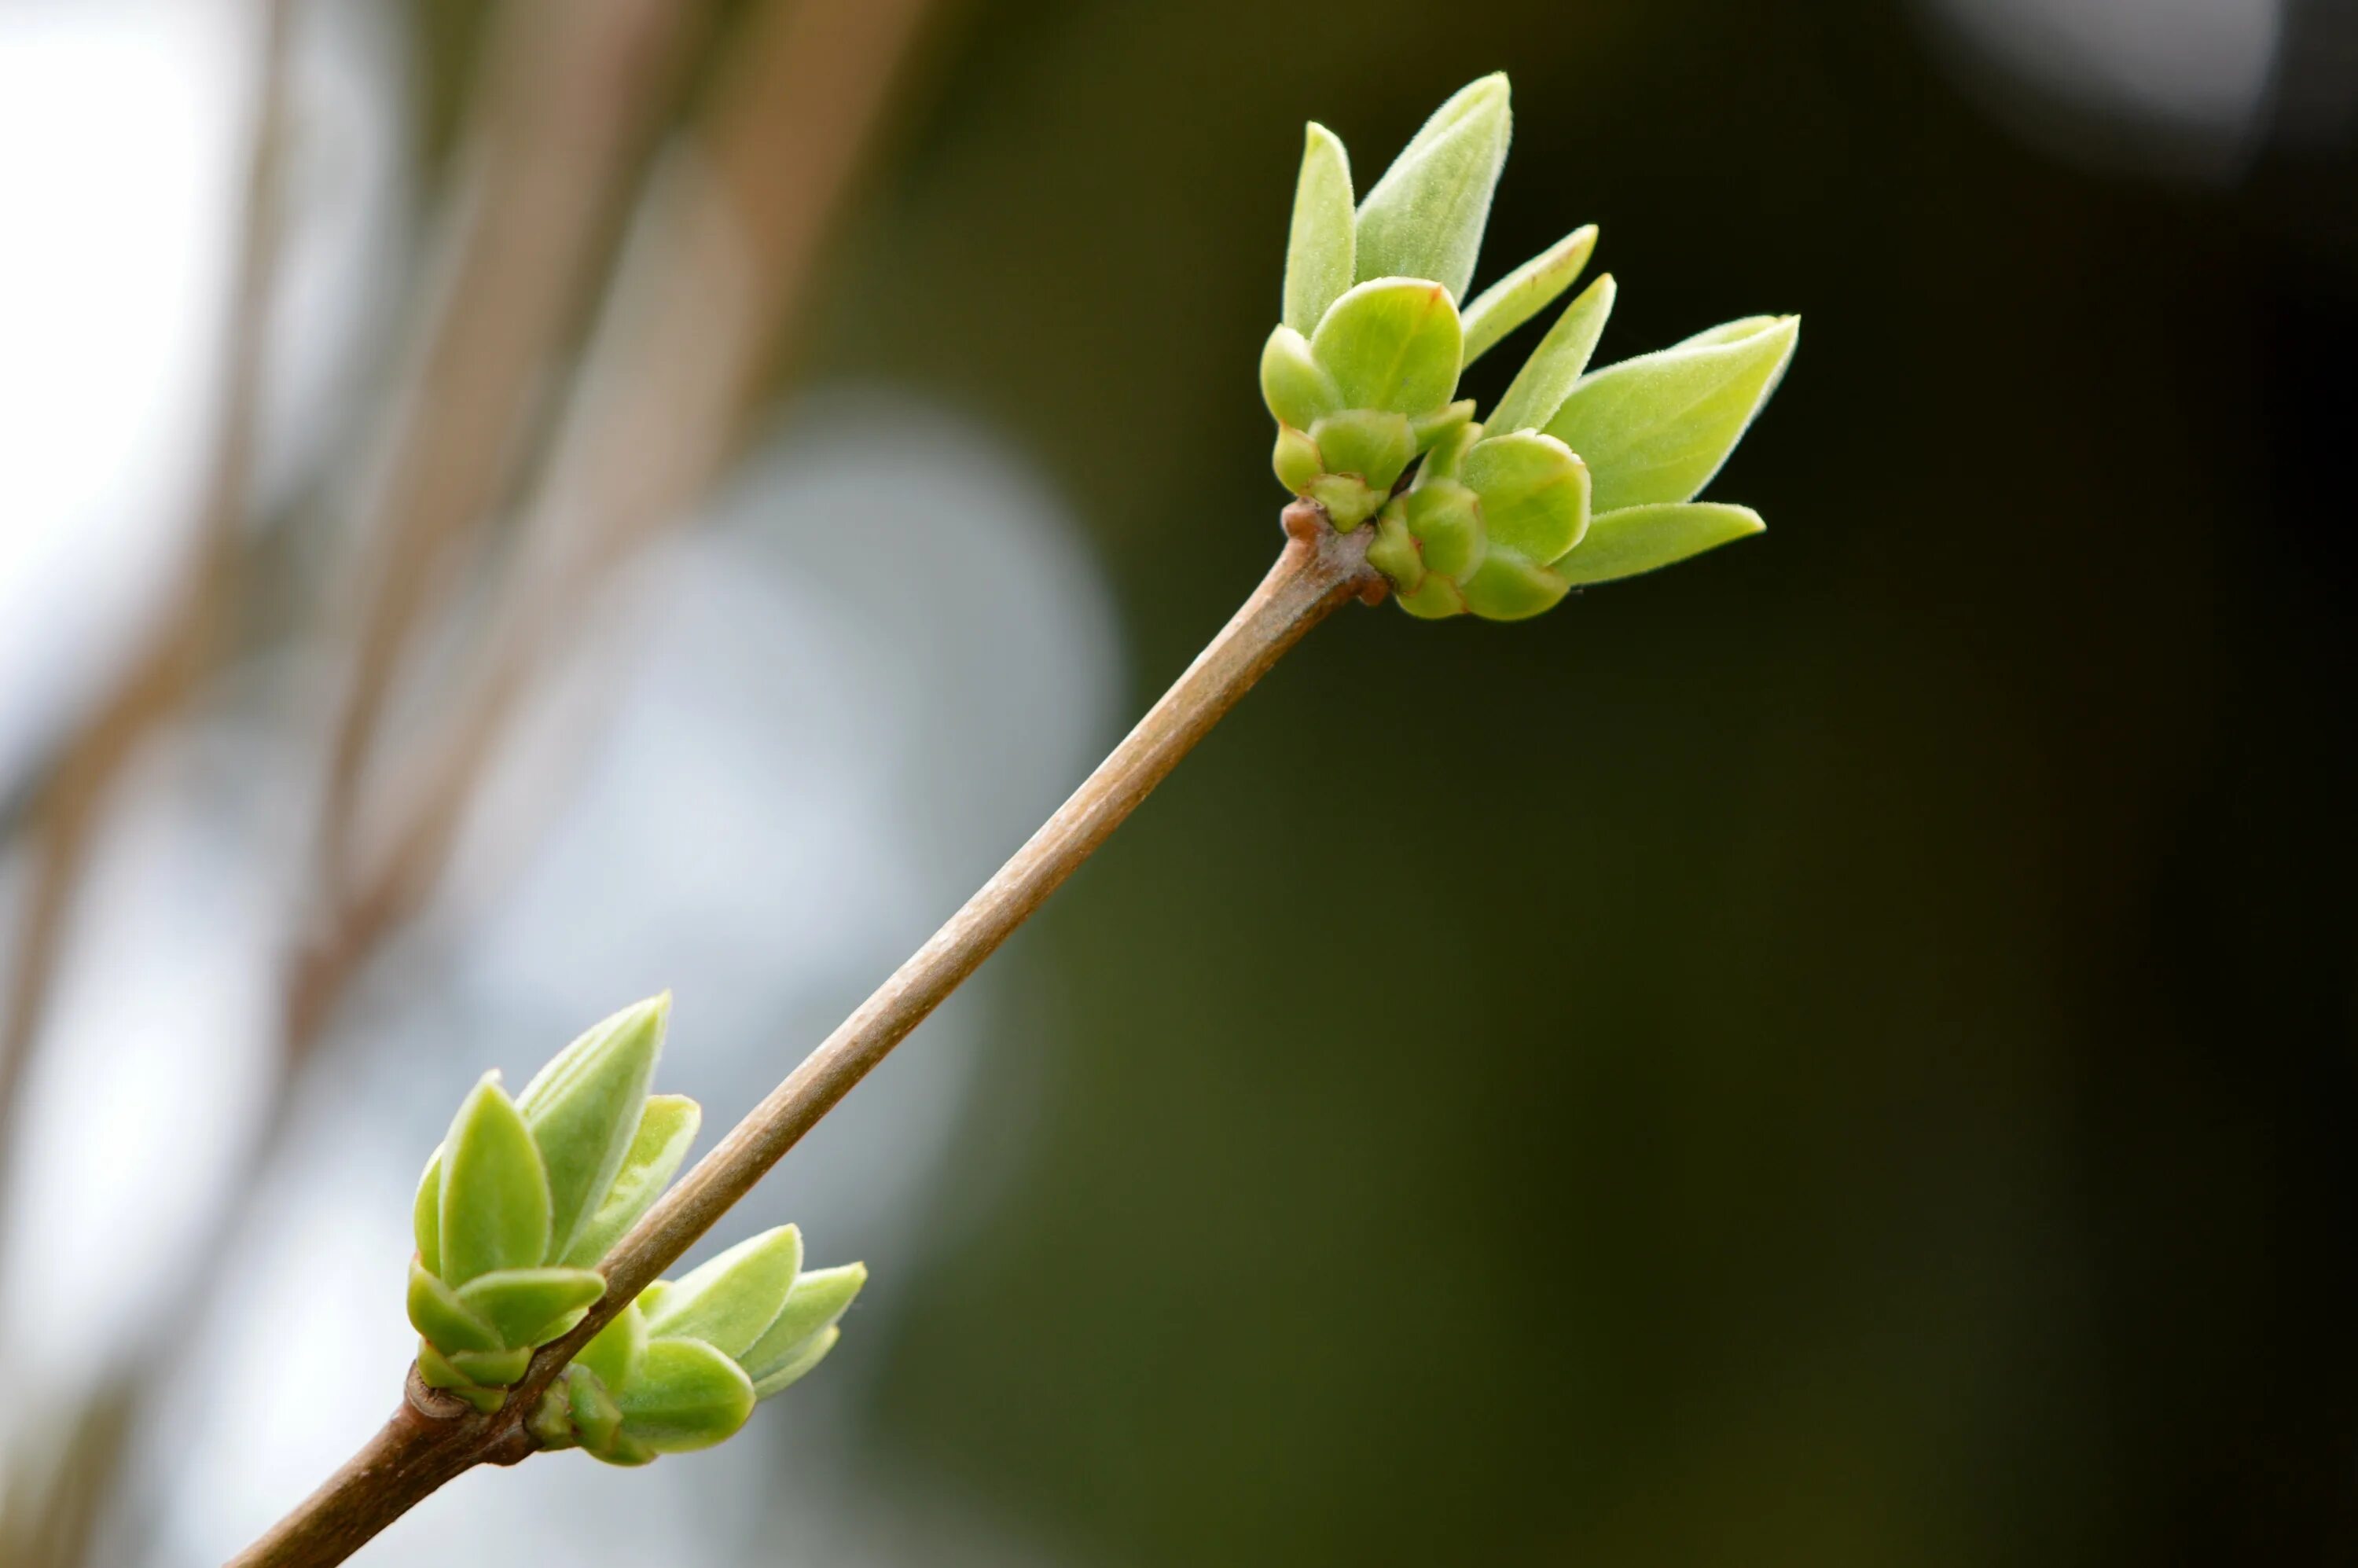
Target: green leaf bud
[494,1197]
[812,1307]
[1534,494]
[730,1300]
[1319,251]
[438,1372]
[491,1368]
[1655,429]
[812,1352]
[1424,217]
[1435,598]
[439,1314]
[1370,443]
[1640,538]
[1526,291]
[584,1106]
[1554,368]
[1392,343]
[1394,552]
[687,1396]
[666,1128]
[594,1415]
[531,1307]
[426,1215]
[1293,383]
[617,1351]
[1511,586]
[1296,459]
[1445,517]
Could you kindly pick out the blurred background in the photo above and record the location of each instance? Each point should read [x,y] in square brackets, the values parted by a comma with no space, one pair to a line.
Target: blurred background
[512,506]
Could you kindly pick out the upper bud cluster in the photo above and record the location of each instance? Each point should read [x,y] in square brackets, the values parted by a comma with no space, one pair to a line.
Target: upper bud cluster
[524,1198]
[1577,477]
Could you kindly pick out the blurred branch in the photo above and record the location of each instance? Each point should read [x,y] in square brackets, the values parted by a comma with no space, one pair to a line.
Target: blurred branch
[165,670]
[564,109]
[433,1438]
[725,251]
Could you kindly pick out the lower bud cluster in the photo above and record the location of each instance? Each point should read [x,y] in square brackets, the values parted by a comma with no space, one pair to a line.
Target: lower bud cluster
[682,1367]
[526,1196]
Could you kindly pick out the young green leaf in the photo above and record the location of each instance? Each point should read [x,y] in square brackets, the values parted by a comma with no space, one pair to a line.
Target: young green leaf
[426,1215]
[1655,429]
[1540,388]
[1445,516]
[618,1349]
[584,1106]
[1512,587]
[1642,538]
[1293,383]
[1534,494]
[532,1306]
[1526,291]
[686,1396]
[491,1368]
[818,1298]
[594,1414]
[1393,343]
[1426,216]
[730,1301]
[813,1351]
[438,1373]
[1369,442]
[435,1312]
[494,1199]
[1319,251]
[666,1128]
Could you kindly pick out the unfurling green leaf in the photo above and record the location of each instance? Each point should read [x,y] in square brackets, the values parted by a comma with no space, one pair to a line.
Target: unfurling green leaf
[615,1354]
[532,1306]
[1526,291]
[494,1197]
[1319,251]
[426,1214]
[730,1300]
[1511,586]
[1534,494]
[584,1106]
[788,1372]
[666,1128]
[687,1396]
[436,1312]
[1554,368]
[1426,216]
[811,1309]
[1642,538]
[1294,385]
[1393,343]
[1655,429]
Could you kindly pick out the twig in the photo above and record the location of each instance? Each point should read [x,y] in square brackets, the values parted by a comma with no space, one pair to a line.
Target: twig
[169,667]
[433,1438]
[730,235]
[565,107]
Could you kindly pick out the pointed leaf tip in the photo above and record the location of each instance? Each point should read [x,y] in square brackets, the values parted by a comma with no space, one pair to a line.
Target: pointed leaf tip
[817,1300]
[584,1107]
[1655,429]
[494,1197]
[731,1300]
[1424,217]
[1644,538]
[1323,242]
[1526,291]
[1555,366]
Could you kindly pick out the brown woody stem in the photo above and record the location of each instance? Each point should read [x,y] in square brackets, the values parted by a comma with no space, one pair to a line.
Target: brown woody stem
[433,1438]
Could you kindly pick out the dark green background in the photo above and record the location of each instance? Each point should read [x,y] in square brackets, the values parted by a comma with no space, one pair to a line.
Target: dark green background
[1857,1067]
